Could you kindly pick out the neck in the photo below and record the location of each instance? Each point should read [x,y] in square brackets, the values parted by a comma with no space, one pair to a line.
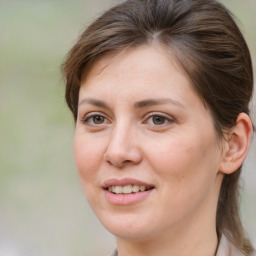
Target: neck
[173,245]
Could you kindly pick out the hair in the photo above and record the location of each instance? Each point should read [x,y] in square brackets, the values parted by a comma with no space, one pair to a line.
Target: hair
[208,44]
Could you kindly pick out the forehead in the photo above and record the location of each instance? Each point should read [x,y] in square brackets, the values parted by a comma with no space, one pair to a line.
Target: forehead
[133,61]
[137,74]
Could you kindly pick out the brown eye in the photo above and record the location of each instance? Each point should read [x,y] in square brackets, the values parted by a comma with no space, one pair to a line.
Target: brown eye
[98,119]
[158,120]
[95,120]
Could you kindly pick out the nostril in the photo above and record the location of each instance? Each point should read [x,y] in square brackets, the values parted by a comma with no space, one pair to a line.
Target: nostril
[120,157]
[127,161]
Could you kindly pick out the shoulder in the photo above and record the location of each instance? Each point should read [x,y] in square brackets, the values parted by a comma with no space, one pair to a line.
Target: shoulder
[226,248]
[253,254]
[113,253]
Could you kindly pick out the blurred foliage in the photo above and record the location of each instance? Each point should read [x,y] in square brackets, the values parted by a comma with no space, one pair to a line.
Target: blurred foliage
[42,207]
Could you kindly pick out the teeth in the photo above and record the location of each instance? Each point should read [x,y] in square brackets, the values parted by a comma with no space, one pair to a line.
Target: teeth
[118,190]
[128,189]
[135,188]
[142,188]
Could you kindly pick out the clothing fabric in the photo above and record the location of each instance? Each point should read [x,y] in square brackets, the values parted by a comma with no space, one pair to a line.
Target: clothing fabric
[114,253]
[225,248]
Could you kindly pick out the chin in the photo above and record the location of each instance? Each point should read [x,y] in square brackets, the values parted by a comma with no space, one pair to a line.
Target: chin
[129,226]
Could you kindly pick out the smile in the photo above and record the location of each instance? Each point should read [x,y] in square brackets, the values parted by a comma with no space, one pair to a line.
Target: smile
[128,189]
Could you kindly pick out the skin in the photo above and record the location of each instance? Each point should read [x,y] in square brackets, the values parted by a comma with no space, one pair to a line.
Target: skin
[179,153]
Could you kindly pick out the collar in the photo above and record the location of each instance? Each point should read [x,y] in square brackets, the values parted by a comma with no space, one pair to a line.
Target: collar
[225,248]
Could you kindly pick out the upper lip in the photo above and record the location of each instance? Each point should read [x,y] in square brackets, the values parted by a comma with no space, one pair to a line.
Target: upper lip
[126,181]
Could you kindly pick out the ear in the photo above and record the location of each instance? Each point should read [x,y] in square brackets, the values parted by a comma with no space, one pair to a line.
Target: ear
[236,144]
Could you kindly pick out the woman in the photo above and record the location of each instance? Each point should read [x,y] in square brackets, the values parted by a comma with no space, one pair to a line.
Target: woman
[159,90]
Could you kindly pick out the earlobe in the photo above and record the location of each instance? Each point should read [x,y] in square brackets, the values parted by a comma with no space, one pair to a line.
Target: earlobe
[236,144]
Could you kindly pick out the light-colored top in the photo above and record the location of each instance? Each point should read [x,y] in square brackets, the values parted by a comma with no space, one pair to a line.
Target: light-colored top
[225,248]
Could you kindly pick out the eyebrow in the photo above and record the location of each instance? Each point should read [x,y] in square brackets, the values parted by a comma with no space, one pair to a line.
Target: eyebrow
[152,102]
[94,102]
[138,104]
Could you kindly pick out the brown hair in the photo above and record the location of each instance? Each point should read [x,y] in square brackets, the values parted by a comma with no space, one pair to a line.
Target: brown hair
[211,49]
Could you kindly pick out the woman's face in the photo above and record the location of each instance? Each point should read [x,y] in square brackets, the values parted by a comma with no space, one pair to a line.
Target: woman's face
[145,146]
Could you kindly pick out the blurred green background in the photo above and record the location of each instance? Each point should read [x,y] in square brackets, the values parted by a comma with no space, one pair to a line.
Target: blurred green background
[43,211]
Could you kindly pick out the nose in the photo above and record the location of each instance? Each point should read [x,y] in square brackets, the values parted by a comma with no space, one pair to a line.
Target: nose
[123,148]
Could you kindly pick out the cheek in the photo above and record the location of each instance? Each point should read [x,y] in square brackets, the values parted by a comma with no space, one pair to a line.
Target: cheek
[186,165]
[87,157]
[187,172]
[183,152]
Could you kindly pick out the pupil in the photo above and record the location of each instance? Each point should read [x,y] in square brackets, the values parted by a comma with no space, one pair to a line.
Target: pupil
[98,119]
[158,120]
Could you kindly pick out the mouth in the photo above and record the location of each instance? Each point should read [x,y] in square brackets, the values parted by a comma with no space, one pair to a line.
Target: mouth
[128,189]
[126,186]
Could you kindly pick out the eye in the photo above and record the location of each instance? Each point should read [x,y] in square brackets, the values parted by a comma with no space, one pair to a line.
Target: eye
[94,120]
[98,119]
[158,120]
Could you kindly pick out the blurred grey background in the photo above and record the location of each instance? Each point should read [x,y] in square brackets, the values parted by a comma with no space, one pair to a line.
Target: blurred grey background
[43,211]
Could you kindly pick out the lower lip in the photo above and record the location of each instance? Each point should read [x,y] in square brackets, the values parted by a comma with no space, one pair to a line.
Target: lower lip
[127,199]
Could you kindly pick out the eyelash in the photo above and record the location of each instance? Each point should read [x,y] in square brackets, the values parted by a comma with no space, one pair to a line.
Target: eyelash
[88,119]
[167,119]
